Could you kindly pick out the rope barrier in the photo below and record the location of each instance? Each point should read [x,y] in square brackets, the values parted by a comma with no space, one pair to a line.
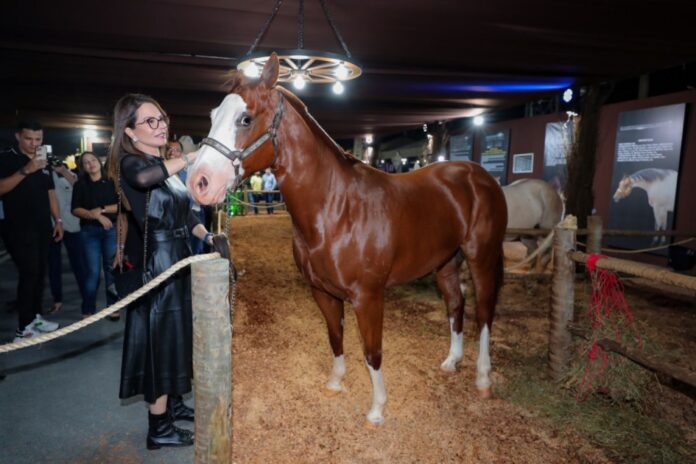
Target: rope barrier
[36,340]
[642,250]
[545,244]
[258,205]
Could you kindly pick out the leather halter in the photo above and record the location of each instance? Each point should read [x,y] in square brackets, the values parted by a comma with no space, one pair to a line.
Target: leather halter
[237,156]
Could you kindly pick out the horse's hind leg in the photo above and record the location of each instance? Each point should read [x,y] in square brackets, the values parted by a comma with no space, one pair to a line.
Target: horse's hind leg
[369,310]
[449,285]
[332,308]
[486,268]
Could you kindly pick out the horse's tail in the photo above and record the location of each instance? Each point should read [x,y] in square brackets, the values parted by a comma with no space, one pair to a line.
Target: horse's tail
[499,271]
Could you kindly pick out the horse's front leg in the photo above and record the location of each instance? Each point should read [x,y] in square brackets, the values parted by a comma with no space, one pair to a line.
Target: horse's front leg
[369,310]
[332,309]
[661,222]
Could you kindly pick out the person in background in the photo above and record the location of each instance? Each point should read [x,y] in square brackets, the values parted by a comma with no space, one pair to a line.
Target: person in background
[175,149]
[63,180]
[269,184]
[256,186]
[29,203]
[157,342]
[95,203]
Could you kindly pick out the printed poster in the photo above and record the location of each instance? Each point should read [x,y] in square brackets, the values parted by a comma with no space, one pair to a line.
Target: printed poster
[494,154]
[461,147]
[558,141]
[646,171]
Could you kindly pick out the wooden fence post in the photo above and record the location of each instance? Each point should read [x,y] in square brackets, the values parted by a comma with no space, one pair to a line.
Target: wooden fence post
[562,299]
[594,234]
[212,361]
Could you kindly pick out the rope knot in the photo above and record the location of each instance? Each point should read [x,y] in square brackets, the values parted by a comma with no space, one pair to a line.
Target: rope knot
[592,261]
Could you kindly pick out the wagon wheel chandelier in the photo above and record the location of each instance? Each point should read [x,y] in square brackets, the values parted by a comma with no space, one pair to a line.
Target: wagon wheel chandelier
[301,66]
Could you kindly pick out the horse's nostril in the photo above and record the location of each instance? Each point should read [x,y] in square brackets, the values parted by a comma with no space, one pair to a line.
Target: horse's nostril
[202,183]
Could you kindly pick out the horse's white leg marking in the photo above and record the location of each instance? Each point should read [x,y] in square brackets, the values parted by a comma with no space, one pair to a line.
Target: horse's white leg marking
[483,365]
[456,351]
[337,373]
[379,396]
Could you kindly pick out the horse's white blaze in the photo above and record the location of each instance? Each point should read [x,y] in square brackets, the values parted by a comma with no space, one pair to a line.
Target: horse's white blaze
[224,130]
[337,373]
[379,396]
[456,351]
[483,365]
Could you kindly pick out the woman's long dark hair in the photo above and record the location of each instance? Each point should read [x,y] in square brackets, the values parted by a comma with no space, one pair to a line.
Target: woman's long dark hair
[125,116]
[81,167]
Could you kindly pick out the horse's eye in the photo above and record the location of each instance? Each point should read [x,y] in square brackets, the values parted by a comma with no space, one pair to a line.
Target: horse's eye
[244,120]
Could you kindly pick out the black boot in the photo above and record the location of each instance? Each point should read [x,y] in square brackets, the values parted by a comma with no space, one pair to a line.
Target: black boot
[179,411]
[163,432]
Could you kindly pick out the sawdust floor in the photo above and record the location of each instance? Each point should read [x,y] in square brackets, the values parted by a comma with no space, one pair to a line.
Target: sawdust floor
[282,360]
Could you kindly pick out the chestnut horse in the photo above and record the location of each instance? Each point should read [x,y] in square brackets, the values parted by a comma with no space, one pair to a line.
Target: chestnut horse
[356,230]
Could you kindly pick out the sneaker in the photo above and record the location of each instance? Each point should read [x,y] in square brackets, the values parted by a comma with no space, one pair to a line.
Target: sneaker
[28,332]
[42,325]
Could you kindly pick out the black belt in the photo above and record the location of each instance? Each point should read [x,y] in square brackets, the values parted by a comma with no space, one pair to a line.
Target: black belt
[166,235]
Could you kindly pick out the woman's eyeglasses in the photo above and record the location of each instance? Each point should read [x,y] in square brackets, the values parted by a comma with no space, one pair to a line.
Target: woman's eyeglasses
[154,123]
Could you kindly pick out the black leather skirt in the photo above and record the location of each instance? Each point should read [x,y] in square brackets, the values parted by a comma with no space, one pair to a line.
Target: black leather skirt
[157,344]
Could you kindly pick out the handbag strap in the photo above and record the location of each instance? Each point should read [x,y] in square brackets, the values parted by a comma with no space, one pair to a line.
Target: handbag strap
[120,234]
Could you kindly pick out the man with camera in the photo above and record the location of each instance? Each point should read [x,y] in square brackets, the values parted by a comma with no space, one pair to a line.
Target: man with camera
[29,201]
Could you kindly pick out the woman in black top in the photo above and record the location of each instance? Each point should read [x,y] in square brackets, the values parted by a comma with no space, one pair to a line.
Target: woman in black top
[94,201]
[157,350]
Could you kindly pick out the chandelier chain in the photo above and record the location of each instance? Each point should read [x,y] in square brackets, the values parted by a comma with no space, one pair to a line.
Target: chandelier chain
[333,27]
[265,27]
[300,26]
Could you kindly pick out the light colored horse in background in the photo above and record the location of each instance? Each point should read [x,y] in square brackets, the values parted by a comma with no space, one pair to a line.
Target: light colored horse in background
[533,203]
[661,187]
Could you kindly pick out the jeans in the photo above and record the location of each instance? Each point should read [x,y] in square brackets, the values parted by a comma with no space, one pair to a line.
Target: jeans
[197,245]
[29,251]
[269,201]
[71,240]
[99,247]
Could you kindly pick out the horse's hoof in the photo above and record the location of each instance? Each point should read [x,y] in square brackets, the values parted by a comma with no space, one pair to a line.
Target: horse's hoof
[369,425]
[449,365]
[330,392]
[485,393]
[448,369]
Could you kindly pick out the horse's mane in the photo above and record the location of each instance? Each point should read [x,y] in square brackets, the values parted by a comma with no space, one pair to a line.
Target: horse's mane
[301,109]
[237,79]
[650,174]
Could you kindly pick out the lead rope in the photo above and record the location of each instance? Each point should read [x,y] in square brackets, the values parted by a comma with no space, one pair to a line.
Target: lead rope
[233,300]
[233,281]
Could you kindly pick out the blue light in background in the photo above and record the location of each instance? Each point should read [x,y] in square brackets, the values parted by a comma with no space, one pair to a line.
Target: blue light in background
[498,87]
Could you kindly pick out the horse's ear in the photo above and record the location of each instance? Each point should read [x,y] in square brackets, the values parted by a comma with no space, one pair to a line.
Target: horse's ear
[269,75]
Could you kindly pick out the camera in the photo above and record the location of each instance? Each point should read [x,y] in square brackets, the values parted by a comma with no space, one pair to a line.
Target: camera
[43,151]
[46,152]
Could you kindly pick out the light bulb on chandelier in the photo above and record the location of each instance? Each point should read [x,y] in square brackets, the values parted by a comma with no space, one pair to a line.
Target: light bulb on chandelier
[342,71]
[299,82]
[338,88]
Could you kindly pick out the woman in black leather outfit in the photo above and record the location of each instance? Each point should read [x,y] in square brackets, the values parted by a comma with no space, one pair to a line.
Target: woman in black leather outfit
[157,348]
